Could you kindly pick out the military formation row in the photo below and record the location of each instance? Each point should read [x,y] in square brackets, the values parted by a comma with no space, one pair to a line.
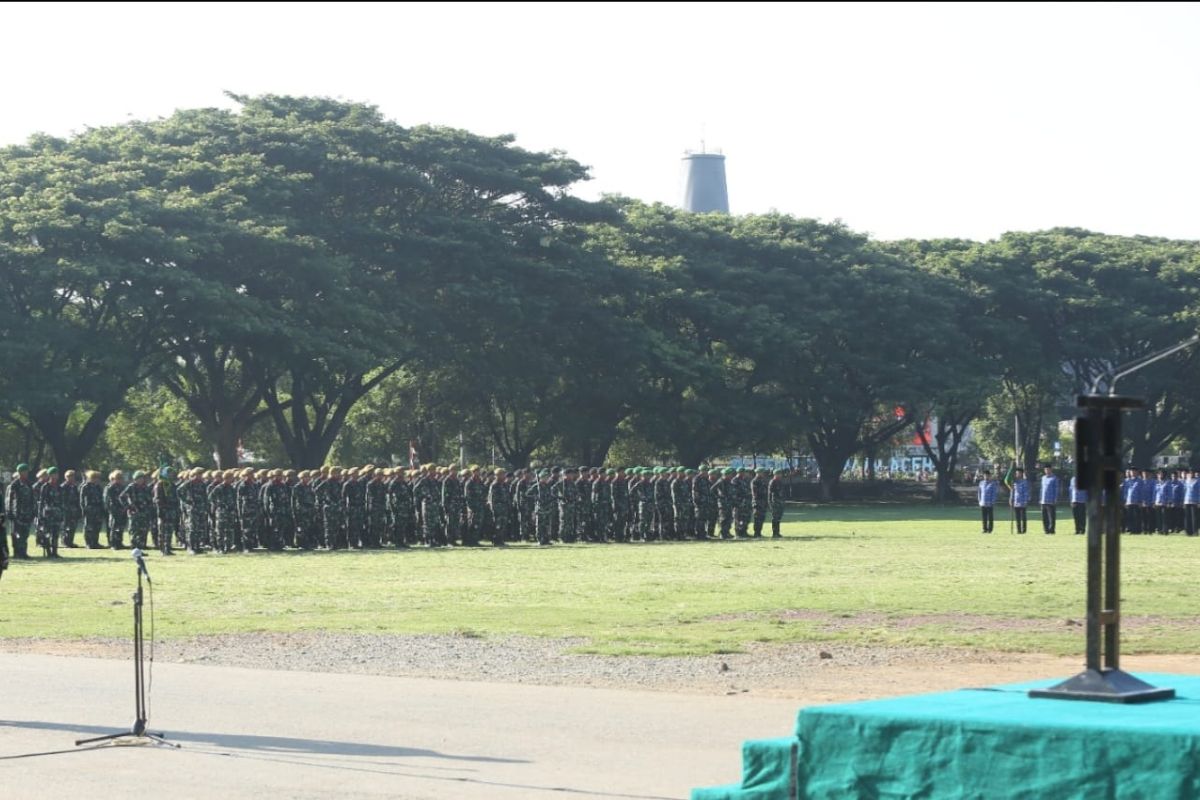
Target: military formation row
[366,507]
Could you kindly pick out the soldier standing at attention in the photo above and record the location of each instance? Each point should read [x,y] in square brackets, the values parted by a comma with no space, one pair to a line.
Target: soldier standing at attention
[166,505]
[71,510]
[51,512]
[499,503]
[222,498]
[741,494]
[91,505]
[722,490]
[1019,500]
[375,496]
[775,502]
[117,518]
[1049,499]
[304,511]
[139,505]
[986,493]
[476,496]
[20,509]
[758,492]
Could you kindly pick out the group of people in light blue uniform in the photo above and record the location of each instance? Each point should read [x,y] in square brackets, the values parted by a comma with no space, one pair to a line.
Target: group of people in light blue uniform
[1168,504]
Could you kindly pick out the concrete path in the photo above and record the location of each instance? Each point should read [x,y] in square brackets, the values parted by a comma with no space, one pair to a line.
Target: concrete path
[257,734]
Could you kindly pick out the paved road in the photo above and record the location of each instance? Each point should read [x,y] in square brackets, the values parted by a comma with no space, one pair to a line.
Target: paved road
[259,733]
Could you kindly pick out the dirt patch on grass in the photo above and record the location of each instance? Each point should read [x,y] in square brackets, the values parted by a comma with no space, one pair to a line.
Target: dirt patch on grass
[828,622]
[807,672]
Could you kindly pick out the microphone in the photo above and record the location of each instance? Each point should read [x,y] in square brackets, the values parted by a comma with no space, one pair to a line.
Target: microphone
[137,556]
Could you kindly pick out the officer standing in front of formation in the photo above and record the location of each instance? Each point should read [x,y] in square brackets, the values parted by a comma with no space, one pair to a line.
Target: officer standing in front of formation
[20,509]
[986,493]
[1049,499]
[1019,500]
[1079,498]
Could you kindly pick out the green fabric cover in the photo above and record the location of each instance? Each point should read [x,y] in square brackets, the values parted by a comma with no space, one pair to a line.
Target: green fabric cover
[1000,743]
[995,743]
[768,773]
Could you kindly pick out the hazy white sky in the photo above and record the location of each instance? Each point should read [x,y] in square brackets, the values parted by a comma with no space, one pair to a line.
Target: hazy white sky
[901,120]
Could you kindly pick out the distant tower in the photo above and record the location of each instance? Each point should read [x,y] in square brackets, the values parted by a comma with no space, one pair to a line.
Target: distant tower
[704,183]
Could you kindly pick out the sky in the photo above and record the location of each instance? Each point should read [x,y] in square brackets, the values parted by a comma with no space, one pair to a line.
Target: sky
[900,120]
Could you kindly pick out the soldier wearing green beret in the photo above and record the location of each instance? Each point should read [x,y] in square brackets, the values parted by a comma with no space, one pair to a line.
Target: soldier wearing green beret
[20,508]
[775,501]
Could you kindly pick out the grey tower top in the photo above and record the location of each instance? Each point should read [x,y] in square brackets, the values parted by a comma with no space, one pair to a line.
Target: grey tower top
[704,183]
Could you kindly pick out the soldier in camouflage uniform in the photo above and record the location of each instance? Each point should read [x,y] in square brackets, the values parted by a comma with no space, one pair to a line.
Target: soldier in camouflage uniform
[542,493]
[524,504]
[644,493]
[118,519]
[758,494]
[775,502]
[664,509]
[705,504]
[20,508]
[681,504]
[619,492]
[375,497]
[51,512]
[499,509]
[354,501]
[138,503]
[722,491]
[72,513]
[475,493]
[602,506]
[401,506]
[739,495]
[223,500]
[333,515]
[277,506]
[428,494]
[304,511]
[167,507]
[249,506]
[566,492]
[193,502]
[91,505]
[454,505]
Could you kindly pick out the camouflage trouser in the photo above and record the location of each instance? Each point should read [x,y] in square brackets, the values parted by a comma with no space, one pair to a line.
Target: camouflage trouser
[725,518]
[116,529]
[760,516]
[474,529]
[168,529]
[541,521]
[70,525]
[356,527]
[334,528]
[620,523]
[139,528]
[432,526]
[741,520]
[569,522]
[406,531]
[250,523]
[228,532]
[666,522]
[308,533]
[685,522]
[195,531]
[50,526]
[376,523]
[20,538]
[454,521]
[776,518]
[93,521]
[602,529]
[645,517]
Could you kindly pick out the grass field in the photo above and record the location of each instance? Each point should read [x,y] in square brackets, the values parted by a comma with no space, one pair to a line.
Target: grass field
[889,575]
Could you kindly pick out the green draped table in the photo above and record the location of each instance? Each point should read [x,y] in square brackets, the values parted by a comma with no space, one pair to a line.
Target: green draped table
[993,742]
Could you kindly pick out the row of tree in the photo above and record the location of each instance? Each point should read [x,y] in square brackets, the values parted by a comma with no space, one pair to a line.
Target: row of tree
[309,280]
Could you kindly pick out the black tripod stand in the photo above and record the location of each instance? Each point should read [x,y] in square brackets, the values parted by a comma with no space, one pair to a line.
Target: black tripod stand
[138,734]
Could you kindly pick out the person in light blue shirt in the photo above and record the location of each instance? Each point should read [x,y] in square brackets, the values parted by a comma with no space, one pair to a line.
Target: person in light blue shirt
[1162,502]
[1049,499]
[986,493]
[1019,499]
[1079,498]
[1191,500]
[1177,492]
[1131,514]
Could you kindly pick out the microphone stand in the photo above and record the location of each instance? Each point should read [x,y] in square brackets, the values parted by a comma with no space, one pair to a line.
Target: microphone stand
[138,734]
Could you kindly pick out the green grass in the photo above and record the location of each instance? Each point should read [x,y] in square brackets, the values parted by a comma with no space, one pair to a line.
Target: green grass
[895,575]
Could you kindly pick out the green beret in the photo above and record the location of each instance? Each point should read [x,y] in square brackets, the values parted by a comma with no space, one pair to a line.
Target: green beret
[52,471]
[138,474]
[729,471]
[22,468]
[780,471]
[691,472]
